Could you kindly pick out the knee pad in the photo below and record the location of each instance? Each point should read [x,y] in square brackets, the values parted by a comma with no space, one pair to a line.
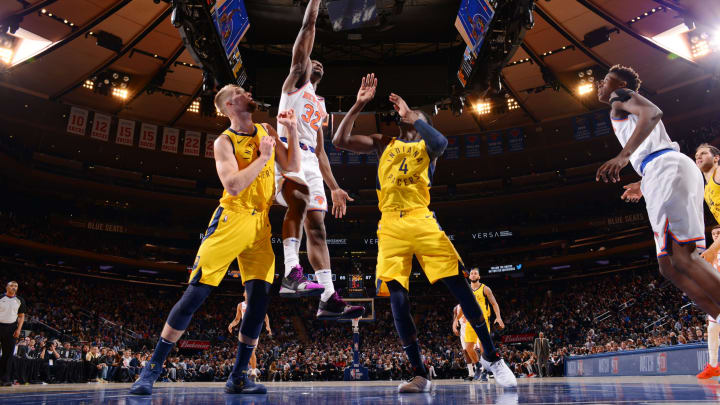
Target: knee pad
[192,299]
[258,293]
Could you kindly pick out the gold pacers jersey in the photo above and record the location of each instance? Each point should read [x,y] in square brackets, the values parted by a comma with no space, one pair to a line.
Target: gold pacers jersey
[712,197]
[404,176]
[480,297]
[259,194]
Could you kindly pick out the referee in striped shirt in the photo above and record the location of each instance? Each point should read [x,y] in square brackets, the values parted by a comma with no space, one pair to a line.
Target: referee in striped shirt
[12,317]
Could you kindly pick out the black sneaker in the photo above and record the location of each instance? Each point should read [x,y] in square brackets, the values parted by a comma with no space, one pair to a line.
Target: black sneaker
[336,308]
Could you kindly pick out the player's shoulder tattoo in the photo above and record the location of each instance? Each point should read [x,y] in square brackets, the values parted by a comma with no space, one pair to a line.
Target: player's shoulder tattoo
[621,95]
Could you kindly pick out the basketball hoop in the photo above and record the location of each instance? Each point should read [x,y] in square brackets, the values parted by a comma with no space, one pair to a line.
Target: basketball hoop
[355,322]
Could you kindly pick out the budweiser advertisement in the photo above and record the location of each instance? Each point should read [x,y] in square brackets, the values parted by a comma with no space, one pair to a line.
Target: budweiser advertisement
[194,344]
[521,338]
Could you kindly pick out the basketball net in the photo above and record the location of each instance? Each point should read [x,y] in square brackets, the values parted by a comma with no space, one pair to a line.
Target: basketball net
[356,325]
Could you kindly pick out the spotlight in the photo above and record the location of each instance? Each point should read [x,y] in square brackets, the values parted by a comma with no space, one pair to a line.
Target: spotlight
[194,106]
[126,78]
[120,93]
[585,88]
[512,104]
[483,108]
[89,84]
[6,55]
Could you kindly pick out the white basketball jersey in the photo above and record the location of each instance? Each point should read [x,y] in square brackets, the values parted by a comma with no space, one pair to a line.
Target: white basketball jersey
[310,112]
[657,140]
[243,307]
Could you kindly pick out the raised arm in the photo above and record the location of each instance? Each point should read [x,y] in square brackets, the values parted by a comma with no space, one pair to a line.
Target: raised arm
[343,138]
[288,157]
[300,65]
[648,114]
[232,178]
[498,318]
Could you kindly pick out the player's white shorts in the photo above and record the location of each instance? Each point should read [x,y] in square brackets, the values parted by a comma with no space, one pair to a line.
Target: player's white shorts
[673,188]
[711,319]
[462,334]
[310,175]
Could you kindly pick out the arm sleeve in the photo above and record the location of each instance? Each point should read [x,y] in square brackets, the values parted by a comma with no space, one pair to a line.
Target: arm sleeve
[435,141]
[23,307]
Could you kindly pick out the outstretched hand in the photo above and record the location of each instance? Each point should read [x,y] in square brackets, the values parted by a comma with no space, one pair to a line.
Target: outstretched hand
[339,199]
[407,115]
[367,89]
[610,170]
[632,192]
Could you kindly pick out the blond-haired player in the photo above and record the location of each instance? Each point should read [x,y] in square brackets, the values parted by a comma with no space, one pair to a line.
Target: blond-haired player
[707,158]
[239,229]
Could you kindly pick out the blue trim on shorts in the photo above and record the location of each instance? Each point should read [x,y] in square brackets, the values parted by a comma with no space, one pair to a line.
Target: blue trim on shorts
[649,158]
[213,224]
[302,145]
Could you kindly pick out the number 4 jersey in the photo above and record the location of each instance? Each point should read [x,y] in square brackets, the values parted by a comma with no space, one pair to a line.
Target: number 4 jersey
[404,176]
[310,111]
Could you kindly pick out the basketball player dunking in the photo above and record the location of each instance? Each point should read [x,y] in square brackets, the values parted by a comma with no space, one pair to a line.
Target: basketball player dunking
[245,156]
[302,191]
[485,298]
[671,184]
[239,314]
[407,227]
[706,158]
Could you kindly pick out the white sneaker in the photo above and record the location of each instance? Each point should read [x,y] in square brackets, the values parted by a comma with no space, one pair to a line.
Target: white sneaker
[415,385]
[503,376]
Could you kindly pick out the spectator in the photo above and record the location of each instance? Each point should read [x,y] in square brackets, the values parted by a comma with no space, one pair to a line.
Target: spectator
[542,354]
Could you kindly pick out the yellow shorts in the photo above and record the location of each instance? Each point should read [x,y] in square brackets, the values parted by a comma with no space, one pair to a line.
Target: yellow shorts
[404,234]
[231,235]
[470,335]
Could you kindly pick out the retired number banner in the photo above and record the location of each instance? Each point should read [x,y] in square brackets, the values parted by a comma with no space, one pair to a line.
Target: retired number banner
[148,136]
[170,140]
[77,121]
[210,146]
[125,132]
[192,143]
[101,127]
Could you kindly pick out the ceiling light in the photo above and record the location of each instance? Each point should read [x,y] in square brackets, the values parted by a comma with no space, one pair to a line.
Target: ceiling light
[120,93]
[89,84]
[585,88]
[194,106]
[482,108]
[512,104]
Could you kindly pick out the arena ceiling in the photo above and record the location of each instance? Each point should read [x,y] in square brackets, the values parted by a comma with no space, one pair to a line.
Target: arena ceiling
[421,37]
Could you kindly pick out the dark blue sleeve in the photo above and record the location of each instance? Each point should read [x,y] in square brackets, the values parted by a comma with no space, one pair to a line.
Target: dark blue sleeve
[435,141]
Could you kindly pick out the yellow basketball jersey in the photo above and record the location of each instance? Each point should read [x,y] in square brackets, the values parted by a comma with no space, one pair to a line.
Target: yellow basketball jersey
[480,297]
[260,193]
[712,196]
[404,176]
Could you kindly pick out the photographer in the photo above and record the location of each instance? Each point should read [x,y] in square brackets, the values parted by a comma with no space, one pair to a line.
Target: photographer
[49,356]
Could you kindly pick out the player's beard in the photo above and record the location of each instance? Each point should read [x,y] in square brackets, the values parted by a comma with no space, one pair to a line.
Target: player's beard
[252,106]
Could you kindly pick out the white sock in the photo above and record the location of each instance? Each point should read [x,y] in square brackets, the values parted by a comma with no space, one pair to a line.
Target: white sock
[324,278]
[290,250]
[713,341]
[471,372]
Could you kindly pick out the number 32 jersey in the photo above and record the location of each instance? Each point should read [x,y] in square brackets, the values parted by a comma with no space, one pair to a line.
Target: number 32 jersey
[309,110]
[405,173]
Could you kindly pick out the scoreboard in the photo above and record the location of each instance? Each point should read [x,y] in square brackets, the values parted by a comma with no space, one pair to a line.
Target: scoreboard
[231,23]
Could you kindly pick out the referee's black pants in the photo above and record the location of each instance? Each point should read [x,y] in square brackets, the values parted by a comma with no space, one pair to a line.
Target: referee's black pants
[7,344]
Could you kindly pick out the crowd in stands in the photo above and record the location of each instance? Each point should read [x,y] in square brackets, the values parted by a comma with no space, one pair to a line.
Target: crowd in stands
[109,336]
